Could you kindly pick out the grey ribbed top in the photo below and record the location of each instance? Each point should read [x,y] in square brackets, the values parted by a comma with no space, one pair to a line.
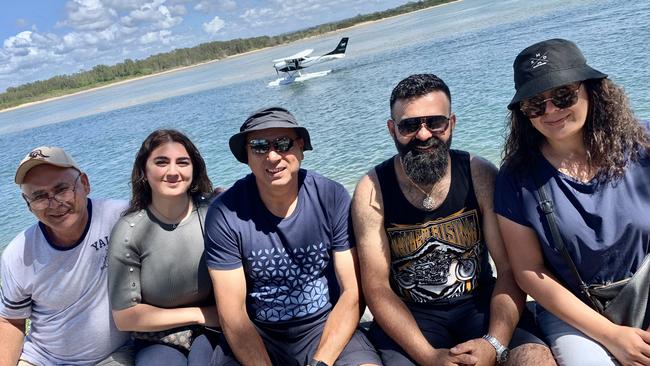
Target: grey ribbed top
[157,264]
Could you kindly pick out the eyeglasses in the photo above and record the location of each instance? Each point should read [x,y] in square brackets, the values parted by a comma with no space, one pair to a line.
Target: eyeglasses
[262,146]
[562,97]
[62,194]
[435,124]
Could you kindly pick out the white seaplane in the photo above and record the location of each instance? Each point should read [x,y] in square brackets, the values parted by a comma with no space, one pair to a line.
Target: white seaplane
[292,65]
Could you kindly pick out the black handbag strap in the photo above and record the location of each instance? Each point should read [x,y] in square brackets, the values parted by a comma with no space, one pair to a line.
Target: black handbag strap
[546,205]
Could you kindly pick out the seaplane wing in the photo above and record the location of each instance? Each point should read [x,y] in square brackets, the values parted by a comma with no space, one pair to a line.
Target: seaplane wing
[299,55]
[292,65]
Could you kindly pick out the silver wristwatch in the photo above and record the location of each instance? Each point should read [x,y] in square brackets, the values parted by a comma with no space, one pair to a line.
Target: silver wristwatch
[502,351]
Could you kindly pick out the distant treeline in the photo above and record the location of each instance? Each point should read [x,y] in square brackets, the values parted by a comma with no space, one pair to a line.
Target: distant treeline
[102,74]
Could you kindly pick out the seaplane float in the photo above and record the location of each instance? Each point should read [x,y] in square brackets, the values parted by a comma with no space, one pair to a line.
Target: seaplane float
[292,65]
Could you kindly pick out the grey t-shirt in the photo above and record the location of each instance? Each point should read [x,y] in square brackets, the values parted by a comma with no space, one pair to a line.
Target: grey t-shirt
[157,264]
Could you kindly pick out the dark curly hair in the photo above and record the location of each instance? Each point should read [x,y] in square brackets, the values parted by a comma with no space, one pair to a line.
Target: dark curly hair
[612,134]
[418,85]
[140,189]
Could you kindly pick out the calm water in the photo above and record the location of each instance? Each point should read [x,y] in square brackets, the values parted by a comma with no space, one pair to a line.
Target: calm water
[470,44]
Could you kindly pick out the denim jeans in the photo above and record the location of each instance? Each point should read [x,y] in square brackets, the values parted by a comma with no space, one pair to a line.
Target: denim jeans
[570,346]
[158,354]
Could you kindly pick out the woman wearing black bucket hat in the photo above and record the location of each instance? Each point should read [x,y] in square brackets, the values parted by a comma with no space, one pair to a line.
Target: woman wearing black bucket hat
[572,200]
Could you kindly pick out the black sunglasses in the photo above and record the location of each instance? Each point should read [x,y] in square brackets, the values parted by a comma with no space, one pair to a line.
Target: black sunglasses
[262,146]
[435,124]
[562,97]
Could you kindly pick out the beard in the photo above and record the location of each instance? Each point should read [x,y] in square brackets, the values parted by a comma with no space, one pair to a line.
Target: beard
[425,167]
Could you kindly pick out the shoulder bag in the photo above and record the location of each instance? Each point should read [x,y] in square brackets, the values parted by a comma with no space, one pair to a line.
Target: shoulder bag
[624,302]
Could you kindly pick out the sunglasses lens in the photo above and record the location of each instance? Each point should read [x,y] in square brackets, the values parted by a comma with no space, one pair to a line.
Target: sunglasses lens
[409,125]
[562,97]
[262,146]
[259,146]
[533,107]
[435,124]
[283,144]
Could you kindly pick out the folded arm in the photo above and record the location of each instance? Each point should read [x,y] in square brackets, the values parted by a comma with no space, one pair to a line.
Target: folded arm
[149,318]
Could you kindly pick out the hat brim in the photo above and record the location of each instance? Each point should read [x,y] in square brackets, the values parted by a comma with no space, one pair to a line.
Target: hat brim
[238,141]
[25,167]
[553,80]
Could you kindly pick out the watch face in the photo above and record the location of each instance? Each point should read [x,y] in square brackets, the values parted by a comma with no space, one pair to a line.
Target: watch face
[503,357]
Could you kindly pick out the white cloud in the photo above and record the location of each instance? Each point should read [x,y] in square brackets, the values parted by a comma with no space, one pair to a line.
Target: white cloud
[207,6]
[258,17]
[162,36]
[88,15]
[214,26]
[26,51]
[155,13]
[178,9]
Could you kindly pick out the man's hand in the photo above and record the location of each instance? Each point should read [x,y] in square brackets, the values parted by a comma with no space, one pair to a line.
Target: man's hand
[444,357]
[482,350]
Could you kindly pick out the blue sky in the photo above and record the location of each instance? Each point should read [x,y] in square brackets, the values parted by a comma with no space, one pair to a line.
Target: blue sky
[43,38]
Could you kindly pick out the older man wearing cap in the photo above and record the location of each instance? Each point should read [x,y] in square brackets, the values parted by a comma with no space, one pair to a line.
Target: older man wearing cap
[54,272]
[281,257]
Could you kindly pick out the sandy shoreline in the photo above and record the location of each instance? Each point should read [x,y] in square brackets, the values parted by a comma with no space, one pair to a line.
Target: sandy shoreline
[24,105]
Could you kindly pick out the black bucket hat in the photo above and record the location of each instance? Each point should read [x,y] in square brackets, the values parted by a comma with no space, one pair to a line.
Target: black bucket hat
[547,65]
[262,119]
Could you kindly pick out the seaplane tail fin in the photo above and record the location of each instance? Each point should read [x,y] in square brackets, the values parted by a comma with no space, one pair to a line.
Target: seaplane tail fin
[340,48]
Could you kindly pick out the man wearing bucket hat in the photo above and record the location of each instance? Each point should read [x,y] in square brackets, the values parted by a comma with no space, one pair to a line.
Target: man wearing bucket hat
[54,272]
[572,203]
[281,256]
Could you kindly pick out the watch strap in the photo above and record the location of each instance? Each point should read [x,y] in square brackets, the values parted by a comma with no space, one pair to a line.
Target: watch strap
[315,362]
[501,350]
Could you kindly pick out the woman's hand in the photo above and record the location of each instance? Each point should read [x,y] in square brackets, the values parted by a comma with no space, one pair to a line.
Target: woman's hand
[630,346]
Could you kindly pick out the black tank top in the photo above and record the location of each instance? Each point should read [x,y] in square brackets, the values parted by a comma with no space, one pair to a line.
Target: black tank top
[436,256]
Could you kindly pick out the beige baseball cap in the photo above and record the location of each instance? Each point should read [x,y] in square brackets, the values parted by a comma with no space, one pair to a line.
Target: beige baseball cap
[44,155]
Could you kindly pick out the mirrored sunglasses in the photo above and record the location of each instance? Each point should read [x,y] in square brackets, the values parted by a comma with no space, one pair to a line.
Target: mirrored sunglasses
[562,97]
[262,146]
[435,124]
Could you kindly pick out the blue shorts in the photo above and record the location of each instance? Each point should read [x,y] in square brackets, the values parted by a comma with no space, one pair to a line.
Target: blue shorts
[296,345]
[446,325]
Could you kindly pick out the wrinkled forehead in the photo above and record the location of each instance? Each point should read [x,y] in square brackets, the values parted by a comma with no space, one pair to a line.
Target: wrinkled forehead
[45,177]
[272,134]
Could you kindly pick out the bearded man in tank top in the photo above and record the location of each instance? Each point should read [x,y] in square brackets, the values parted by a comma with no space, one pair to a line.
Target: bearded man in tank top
[425,226]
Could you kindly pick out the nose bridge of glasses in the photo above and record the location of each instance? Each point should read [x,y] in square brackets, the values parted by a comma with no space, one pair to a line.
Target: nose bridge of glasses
[423,132]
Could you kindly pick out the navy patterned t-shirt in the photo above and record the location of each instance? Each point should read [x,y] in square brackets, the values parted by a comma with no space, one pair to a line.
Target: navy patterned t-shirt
[287,261]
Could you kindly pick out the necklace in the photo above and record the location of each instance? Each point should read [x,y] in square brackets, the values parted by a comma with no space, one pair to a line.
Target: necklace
[428,203]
